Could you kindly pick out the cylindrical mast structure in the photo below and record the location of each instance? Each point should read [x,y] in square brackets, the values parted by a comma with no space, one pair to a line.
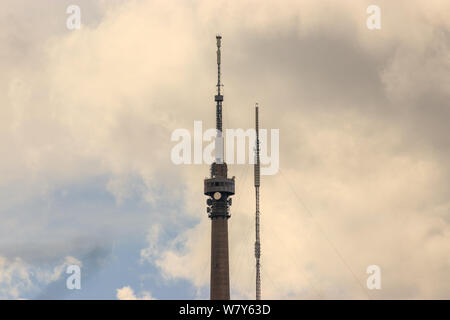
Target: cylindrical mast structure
[257,185]
[219,188]
[219,99]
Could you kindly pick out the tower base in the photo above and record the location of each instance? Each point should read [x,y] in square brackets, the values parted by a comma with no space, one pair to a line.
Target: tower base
[220,277]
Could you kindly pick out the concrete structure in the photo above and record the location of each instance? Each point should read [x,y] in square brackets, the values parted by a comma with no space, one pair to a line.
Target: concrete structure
[219,188]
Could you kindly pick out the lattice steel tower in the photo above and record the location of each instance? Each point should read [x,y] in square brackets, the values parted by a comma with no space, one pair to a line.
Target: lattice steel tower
[219,188]
[257,184]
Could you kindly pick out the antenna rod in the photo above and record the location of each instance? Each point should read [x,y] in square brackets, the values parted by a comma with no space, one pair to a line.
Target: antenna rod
[219,98]
[257,184]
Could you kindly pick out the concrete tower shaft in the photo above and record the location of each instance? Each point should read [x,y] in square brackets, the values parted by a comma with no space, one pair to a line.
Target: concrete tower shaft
[220,278]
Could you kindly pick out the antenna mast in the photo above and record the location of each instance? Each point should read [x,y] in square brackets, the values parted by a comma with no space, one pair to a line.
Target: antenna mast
[219,98]
[257,184]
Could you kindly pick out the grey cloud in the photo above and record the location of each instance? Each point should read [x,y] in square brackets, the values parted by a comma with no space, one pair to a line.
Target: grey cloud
[363,129]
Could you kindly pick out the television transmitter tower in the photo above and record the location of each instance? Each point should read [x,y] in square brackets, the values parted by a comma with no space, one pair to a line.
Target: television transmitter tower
[219,188]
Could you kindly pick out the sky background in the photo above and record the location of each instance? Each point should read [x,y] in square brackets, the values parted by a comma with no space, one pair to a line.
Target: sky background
[86,118]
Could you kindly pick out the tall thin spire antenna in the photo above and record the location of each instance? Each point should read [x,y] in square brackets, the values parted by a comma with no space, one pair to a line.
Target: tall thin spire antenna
[219,99]
[257,185]
[219,189]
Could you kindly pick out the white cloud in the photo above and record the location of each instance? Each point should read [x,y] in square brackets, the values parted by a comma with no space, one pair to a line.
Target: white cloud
[126,293]
[18,277]
[154,246]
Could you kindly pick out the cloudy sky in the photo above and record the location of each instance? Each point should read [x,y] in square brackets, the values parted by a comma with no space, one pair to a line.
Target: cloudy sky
[86,118]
